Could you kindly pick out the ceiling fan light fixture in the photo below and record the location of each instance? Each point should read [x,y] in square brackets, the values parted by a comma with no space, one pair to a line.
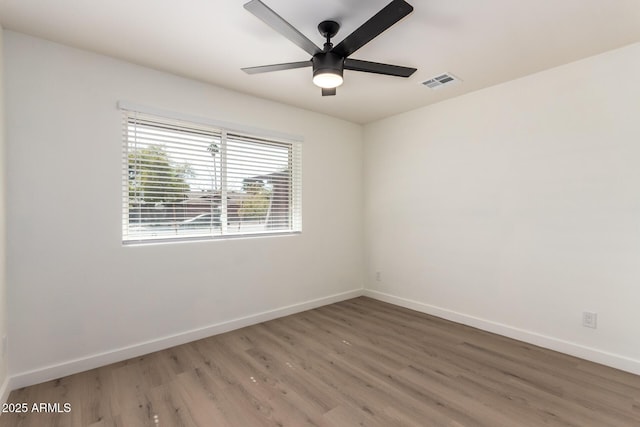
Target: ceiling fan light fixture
[327,70]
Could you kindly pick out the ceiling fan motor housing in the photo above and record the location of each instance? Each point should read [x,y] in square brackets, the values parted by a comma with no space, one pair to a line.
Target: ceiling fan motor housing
[327,62]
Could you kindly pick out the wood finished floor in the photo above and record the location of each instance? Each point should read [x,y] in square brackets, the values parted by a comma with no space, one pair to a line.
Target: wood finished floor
[357,362]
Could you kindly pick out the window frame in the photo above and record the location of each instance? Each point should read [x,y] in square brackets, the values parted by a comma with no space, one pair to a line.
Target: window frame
[224,131]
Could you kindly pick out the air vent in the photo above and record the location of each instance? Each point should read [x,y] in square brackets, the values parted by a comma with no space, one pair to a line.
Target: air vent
[445,79]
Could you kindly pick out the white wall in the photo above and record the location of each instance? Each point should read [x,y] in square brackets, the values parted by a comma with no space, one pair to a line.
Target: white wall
[3,254]
[516,208]
[75,291]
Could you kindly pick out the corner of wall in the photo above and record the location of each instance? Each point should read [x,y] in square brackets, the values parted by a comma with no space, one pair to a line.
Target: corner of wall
[4,385]
[363,225]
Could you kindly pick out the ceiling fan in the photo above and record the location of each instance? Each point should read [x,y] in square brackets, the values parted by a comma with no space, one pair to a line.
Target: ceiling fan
[330,62]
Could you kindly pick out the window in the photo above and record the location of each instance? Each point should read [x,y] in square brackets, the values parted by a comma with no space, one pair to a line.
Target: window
[184,180]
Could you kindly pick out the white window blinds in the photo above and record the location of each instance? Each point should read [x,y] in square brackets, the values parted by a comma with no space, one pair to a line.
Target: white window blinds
[184,180]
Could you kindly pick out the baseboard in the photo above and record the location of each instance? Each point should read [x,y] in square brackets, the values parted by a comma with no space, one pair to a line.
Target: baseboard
[74,366]
[70,367]
[609,359]
[5,389]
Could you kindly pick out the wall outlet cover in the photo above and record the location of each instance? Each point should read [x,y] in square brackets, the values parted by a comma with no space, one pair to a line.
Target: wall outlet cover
[590,319]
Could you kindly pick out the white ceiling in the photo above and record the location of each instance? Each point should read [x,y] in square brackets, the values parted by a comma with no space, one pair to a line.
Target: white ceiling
[481,42]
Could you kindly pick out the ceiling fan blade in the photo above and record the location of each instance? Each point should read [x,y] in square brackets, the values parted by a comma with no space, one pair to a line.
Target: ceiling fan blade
[275,21]
[389,15]
[328,92]
[276,67]
[378,68]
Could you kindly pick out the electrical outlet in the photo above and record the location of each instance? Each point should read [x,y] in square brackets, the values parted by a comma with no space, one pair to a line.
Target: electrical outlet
[590,319]
[378,276]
